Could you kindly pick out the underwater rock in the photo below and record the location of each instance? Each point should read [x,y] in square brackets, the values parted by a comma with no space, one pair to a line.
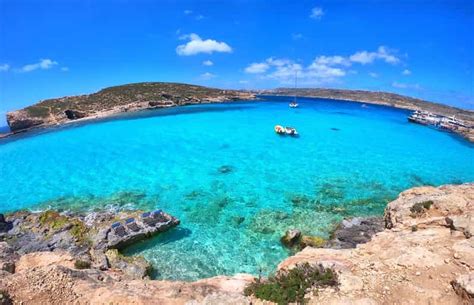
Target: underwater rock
[335,129]
[238,220]
[226,169]
[291,238]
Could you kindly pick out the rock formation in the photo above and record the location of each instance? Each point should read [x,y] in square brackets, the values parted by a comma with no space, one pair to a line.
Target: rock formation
[116,100]
[424,256]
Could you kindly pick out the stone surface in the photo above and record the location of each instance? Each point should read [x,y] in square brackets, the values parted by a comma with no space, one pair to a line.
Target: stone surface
[464,286]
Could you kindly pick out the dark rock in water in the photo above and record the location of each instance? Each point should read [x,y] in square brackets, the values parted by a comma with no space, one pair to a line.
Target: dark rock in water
[358,230]
[291,238]
[238,220]
[335,129]
[226,169]
[74,114]
[5,226]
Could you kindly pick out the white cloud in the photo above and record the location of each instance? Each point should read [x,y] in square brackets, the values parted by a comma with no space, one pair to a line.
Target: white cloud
[43,64]
[406,72]
[4,67]
[256,68]
[196,45]
[207,63]
[199,17]
[382,53]
[243,81]
[207,75]
[317,13]
[406,86]
[332,60]
[297,36]
[373,74]
[188,12]
[64,69]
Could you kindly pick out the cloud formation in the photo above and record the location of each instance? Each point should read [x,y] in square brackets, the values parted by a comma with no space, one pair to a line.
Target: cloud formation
[207,63]
[406,72]
[207,75]
[43,64]
[406,86]
[382,53]
[317,13]
[322,70]
[4,67]
[196,45]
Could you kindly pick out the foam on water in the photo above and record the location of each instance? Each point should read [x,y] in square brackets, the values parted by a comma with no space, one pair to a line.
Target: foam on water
[235,185]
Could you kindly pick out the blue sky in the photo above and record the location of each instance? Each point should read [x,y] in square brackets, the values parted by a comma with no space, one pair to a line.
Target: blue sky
[57,48]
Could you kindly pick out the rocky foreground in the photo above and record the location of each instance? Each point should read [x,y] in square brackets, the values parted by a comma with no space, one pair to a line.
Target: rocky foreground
[115,100]
[425,255]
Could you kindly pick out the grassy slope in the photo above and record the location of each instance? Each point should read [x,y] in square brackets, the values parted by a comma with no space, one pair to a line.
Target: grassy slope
[121,95]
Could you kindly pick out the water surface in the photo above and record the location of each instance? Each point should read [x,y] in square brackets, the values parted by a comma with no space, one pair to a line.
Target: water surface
[235,185]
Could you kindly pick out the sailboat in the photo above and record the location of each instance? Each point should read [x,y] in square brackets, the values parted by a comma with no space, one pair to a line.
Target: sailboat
[294,104]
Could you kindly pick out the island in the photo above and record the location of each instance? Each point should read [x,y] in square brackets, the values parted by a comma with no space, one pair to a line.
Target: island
[152,95]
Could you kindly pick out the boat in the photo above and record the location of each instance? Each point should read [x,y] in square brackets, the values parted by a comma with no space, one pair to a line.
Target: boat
[279,129]
[291,131]
[294,103]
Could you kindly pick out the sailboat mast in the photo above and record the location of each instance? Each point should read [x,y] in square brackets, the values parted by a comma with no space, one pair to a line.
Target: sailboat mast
[296,80]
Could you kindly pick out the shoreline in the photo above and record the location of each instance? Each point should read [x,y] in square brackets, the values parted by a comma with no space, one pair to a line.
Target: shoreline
[118,113]
[421,216]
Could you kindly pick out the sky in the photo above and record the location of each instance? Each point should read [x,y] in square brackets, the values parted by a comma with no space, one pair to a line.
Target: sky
[57,48]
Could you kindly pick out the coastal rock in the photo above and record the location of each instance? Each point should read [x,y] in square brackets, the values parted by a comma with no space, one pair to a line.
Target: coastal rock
[115,100]
[354,231]
[429,265]
[4,225]
[291,238]
[8,258]
[312,241]
[135,267]
[74,114]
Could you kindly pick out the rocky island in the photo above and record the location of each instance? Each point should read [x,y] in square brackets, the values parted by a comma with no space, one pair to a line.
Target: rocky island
[115,100]
[420,252]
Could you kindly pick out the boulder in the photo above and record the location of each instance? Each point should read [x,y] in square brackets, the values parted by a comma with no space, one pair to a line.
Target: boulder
[291,238]
[74,114]
[134,267]
[354,231]
[312,241]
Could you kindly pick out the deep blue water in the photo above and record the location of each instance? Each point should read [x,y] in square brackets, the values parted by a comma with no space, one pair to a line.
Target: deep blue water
[349,160]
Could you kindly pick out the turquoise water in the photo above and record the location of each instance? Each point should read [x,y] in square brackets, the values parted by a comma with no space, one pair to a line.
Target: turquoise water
[235,185]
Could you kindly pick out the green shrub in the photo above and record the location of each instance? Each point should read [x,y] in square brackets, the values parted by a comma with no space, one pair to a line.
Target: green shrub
[292,285]
[80,264]
[420,207]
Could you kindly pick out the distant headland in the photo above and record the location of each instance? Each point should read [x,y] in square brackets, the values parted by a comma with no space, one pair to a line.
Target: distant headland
[151,95]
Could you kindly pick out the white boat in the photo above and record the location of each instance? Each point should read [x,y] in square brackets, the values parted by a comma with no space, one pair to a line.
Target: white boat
[294,104]
[291,131]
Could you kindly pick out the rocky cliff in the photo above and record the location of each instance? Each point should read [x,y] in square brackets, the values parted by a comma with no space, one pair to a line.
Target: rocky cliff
[424,256]
[114,100]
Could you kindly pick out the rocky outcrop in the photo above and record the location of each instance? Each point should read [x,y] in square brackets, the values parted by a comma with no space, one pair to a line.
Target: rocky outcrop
[88,241]
[420,258]
[115,100]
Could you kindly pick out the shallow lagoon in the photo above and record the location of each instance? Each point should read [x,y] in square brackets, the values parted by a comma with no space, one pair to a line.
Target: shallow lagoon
[233,183]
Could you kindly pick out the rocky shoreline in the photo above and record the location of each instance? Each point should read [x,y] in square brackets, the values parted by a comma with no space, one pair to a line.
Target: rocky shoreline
[420,252]
[113,101]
